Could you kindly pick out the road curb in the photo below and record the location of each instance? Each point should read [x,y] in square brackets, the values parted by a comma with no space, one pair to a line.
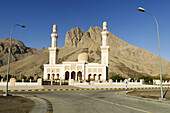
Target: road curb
[49,105]
[39,90]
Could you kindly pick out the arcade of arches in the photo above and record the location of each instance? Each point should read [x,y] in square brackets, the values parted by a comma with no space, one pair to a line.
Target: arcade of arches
[53,76]
[75,76]
[94,77]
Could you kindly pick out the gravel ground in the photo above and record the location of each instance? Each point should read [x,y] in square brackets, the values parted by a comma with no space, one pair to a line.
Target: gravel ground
[153,94]
[15,104]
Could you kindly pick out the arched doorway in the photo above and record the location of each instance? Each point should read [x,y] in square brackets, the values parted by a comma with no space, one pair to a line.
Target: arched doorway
[58,76]
[48,76]
[73,74]
[66,75]
[53,75]
[99,77]
[79,75]
[94,77]
[89,76]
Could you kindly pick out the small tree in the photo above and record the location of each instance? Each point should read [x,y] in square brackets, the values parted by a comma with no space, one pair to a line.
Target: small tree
[132,79]
[38,77]
[9,77]
[31,77]
[23,77]
[117,77]
[146,78]
[164,76]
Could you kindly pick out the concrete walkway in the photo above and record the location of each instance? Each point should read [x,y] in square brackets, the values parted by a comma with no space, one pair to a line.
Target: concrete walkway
[59,87]
[40,105]
[117,86]
[21,87]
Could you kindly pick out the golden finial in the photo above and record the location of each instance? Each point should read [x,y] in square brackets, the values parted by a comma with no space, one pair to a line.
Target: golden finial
[104,25]
[54,28]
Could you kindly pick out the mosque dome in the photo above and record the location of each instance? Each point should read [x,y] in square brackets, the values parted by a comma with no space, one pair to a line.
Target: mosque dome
[83,57]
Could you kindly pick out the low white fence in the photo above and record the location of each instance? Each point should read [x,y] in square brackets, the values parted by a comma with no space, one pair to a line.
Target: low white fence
[13,82]
[164,82]
[110,82]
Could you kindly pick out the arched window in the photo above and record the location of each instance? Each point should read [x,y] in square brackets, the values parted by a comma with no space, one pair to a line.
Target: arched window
[53,75]
[89,76]
[58,76]
[66,75]
[79,75]
[94,77]
[48,76]
[73,74]
[99,77]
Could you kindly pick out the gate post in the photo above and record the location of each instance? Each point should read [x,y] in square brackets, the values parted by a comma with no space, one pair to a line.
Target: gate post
[60,81]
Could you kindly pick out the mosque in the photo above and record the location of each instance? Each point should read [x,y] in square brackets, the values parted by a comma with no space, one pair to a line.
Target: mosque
[80,70]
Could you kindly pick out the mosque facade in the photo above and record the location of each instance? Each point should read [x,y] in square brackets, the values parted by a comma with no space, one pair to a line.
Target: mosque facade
[80,70]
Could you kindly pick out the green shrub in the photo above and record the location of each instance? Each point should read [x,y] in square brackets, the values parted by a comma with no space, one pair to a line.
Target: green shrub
[38,77]
[117,77]
[31,77]
[9,77]
[23,77]
[132,79]
[146,78]
[164,76]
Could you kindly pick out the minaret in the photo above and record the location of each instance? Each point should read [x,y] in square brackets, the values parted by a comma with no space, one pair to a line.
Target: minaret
[53,51]
[104,47]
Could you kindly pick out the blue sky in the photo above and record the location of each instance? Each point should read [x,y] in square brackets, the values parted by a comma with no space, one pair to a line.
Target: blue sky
[123,19]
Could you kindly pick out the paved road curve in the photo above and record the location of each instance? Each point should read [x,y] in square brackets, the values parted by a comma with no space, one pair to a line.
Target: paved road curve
[99,102]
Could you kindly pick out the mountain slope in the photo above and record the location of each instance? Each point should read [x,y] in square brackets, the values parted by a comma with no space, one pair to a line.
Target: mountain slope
[19,50]
[124,58]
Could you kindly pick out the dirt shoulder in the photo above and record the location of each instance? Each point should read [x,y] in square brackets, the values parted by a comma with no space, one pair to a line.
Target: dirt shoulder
[15,104]
[153,94]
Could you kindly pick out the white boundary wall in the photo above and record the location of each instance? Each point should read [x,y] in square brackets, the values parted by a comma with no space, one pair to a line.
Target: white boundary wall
[13,82]
[163,82]
[71,82]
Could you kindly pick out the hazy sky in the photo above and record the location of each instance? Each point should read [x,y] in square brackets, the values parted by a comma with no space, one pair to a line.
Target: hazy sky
[123,19]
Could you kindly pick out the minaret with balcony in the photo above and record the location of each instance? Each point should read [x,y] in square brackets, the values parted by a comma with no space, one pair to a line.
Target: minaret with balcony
[53,51]
[104,47]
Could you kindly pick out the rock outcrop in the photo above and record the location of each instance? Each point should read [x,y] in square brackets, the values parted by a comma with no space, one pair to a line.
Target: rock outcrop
[18,50]
[124,58]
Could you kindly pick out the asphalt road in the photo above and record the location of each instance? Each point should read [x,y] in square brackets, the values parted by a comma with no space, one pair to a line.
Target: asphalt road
[98,102]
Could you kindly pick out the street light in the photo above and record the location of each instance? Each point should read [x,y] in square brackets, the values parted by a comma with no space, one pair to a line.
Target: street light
[143,10]
[10,56]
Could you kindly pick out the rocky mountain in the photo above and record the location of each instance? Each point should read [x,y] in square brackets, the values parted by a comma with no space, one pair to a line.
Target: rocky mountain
[19,50]
[124,58]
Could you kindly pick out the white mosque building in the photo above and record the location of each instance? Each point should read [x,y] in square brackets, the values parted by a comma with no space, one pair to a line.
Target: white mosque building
[81,70]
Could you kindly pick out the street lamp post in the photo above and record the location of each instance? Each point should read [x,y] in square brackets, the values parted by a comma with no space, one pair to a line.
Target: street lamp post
[6,94]
[143,10]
